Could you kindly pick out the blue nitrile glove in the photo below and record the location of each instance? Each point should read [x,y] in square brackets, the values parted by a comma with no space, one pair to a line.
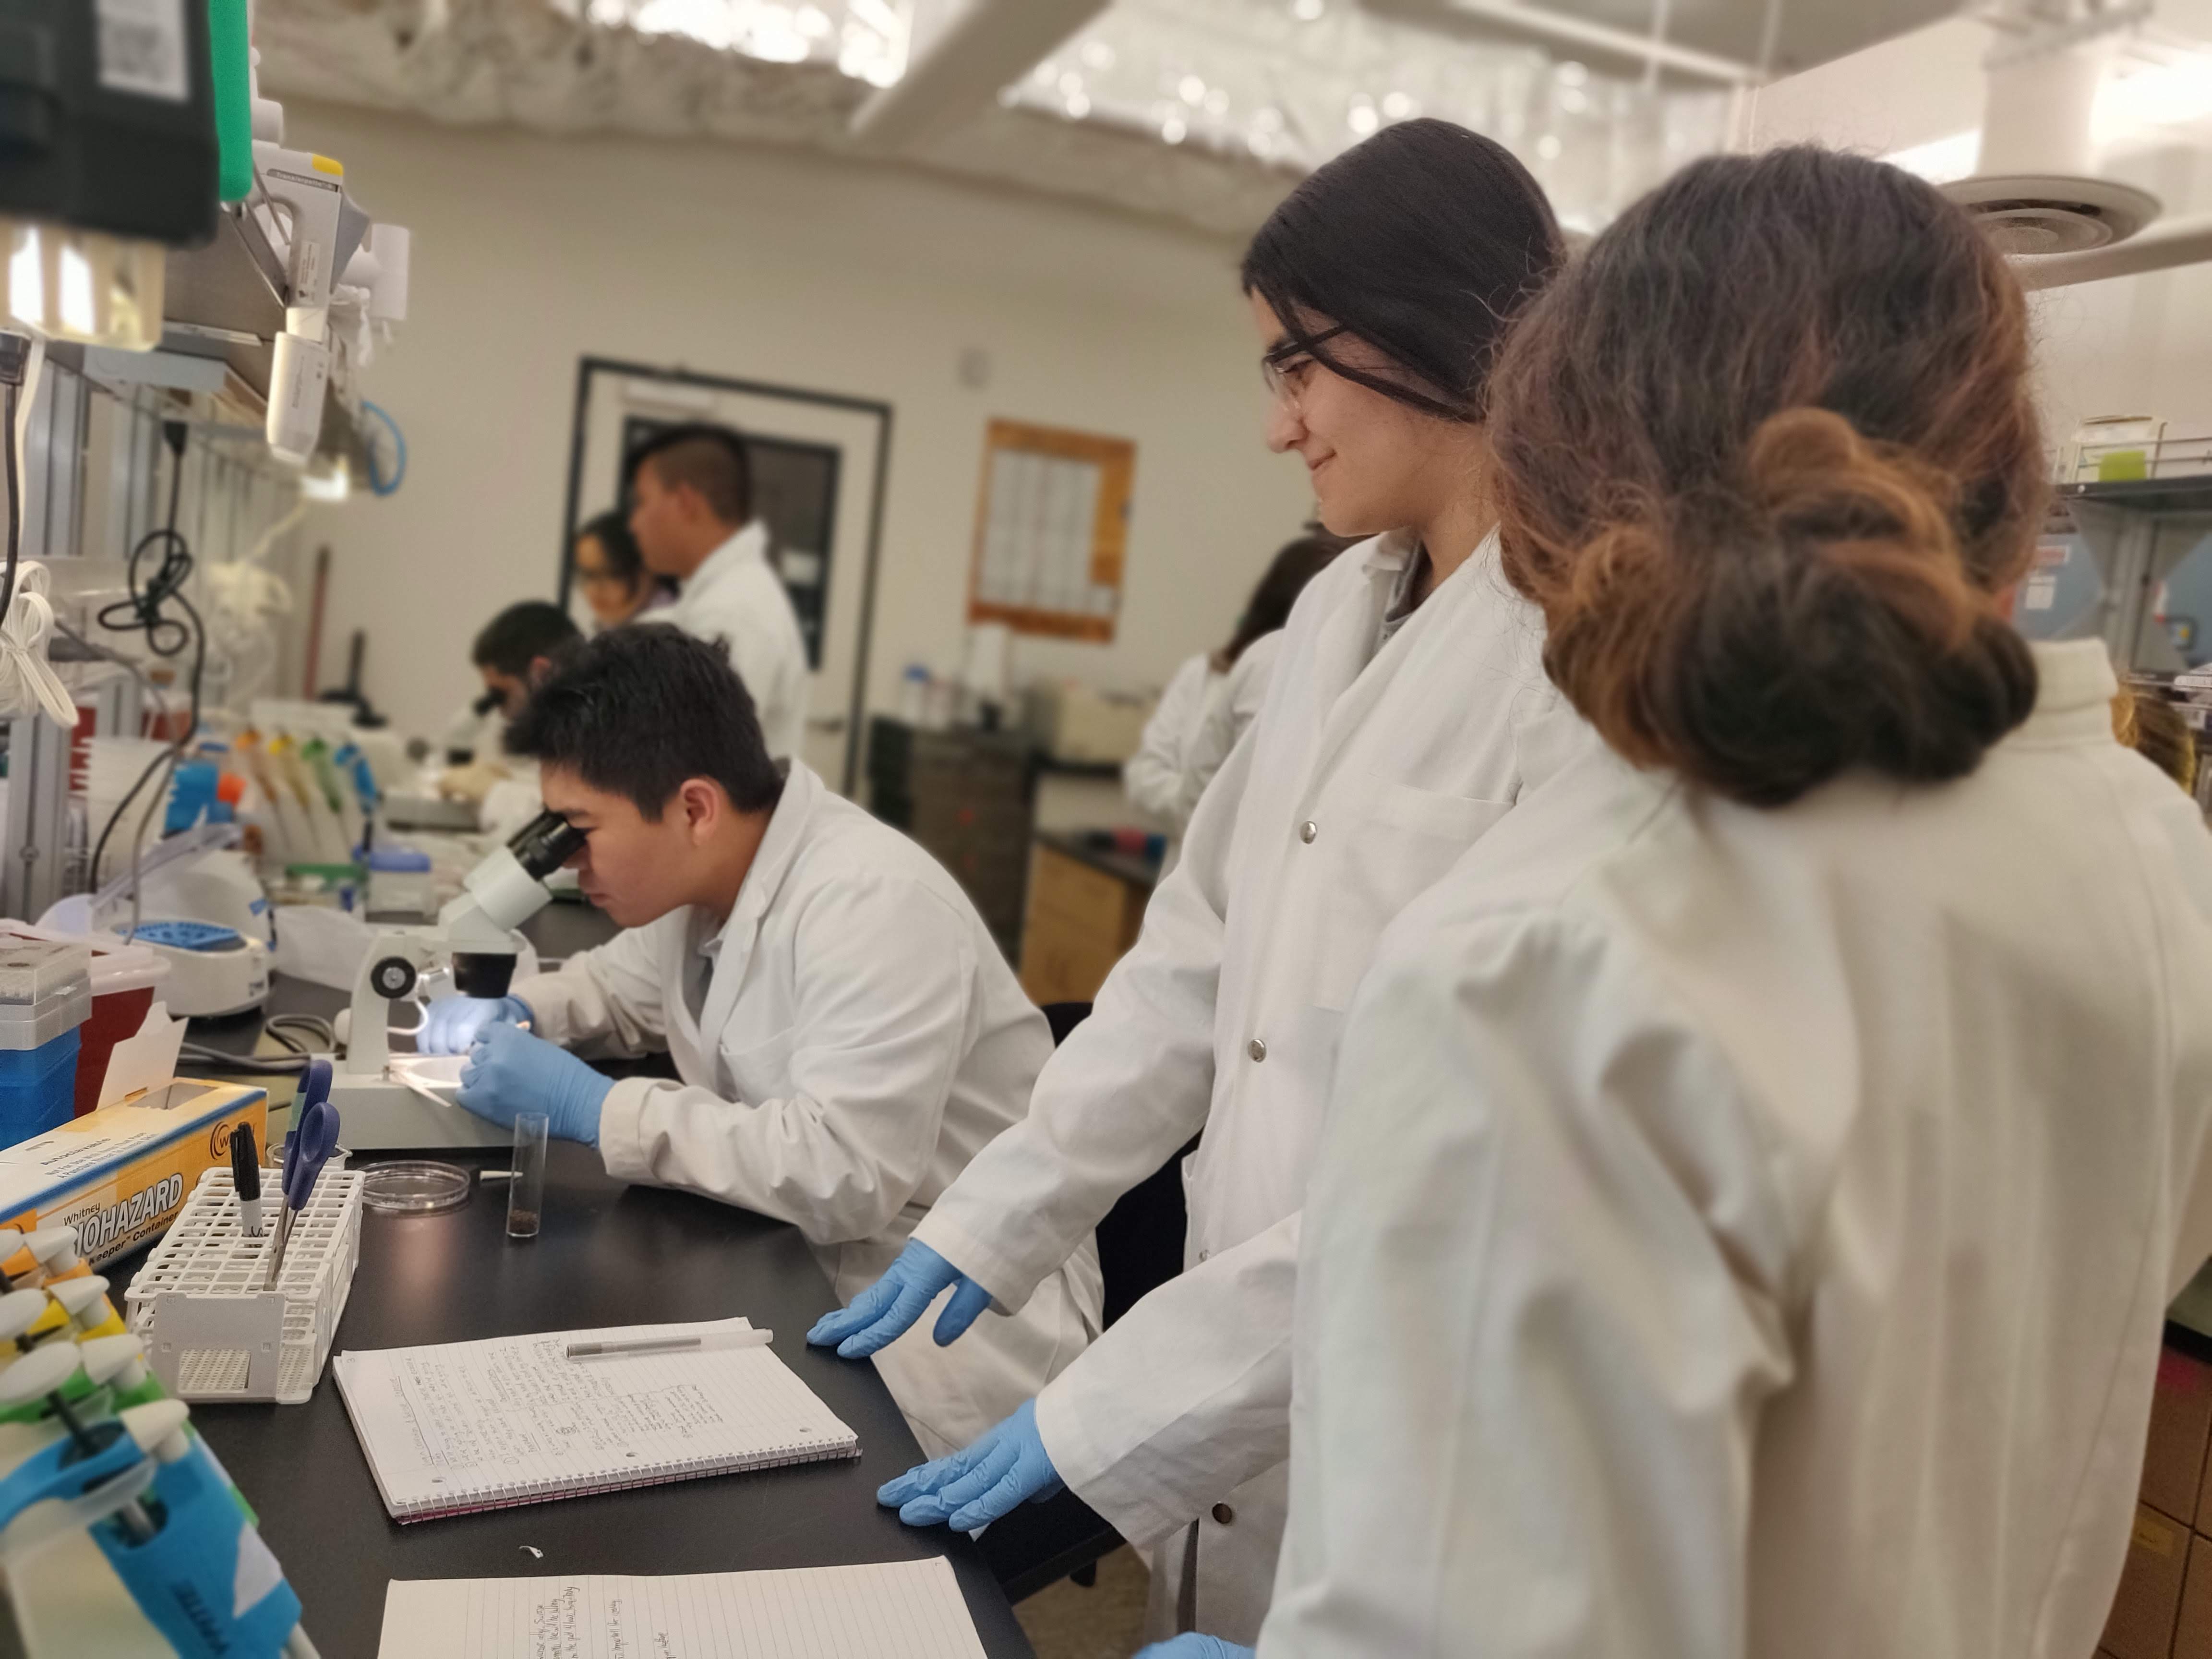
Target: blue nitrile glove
[883,1312]
[1194,1646]
[976,1485]
[451,1022]
[510,1071]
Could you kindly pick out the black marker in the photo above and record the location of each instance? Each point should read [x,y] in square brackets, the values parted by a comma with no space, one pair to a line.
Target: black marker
[246,1175]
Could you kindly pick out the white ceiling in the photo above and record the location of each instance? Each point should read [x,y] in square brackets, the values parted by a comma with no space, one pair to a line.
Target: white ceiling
[1202,111]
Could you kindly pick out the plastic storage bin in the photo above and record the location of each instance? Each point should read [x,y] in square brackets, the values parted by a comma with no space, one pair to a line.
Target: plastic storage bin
[45,995]
[125,980]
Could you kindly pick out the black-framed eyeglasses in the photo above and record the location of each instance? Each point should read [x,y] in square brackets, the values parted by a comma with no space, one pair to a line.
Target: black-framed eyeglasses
[1278,362]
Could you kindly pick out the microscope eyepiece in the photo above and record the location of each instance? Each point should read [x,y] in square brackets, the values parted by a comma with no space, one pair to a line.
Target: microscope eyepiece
[545,843]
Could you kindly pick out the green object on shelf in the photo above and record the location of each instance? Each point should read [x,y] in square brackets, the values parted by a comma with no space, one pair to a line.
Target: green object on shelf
[230,46]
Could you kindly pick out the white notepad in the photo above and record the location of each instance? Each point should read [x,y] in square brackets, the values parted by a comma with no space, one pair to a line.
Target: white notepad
[900,1610]
[478,1425]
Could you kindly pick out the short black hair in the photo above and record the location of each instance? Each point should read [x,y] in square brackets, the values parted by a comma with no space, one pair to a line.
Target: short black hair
[520,635]
[711,458]
[638,710]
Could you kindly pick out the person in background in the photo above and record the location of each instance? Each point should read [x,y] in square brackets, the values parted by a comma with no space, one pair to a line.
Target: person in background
[1408,710]
[2147,723]
[1755,1177]
[514,652]
[610,574]
[692,509]
[1216,696]
[846,1033]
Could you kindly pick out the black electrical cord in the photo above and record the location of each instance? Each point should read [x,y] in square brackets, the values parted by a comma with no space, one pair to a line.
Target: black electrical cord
[14,356]
[143,612]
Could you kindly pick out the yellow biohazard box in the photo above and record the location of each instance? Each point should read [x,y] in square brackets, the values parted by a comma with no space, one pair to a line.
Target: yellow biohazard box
[119,1176]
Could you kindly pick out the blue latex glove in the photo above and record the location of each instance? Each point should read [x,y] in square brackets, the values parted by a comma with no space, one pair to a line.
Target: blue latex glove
[883,1312]
[452,1022]
[510,1071]
[1194,1646]
[976,1485]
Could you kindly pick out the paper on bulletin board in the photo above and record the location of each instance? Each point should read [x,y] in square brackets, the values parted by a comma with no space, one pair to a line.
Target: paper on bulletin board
[1051,531]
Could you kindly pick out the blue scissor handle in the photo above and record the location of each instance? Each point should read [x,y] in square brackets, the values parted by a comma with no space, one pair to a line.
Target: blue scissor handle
[314,1135]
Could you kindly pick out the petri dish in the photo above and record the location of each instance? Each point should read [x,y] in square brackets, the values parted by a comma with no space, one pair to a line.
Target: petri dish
[411,1186]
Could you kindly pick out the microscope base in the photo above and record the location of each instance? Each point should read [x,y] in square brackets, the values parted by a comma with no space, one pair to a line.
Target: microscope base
[377,1114]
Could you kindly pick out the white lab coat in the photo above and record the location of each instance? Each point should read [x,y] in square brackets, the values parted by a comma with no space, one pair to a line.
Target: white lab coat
[1367,775]
[736,599]
[861,1039]
[1201,718]
[1747,1233]
[1154,778]
[1233,702]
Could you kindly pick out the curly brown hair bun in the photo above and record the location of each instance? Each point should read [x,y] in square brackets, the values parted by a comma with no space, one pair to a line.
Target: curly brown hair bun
[1767,458]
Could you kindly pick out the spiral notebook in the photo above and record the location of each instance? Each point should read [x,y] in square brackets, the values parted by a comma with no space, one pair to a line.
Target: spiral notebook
[479,1426]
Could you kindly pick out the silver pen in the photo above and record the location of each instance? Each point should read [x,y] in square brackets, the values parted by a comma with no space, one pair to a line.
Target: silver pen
[751,1338]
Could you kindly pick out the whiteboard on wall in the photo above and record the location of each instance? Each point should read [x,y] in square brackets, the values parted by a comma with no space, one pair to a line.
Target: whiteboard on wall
[1051,531]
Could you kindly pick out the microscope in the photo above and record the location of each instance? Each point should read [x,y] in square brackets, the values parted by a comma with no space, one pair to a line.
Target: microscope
[378,1111]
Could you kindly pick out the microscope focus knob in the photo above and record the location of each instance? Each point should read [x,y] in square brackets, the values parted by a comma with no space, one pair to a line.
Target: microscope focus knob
[393,977]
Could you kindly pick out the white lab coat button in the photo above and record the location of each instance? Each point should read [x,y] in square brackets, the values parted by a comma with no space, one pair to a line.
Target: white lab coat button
[1308,830]
[1202,1254]
[1223,1515]
[1256,1049]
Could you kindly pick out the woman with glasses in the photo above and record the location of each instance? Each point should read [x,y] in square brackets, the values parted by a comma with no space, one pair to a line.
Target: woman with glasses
[1756,1177]
[1407,711]
[610,573]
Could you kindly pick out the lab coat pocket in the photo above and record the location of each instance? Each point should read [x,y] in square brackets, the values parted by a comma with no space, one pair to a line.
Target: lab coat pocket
[1401,846]
[762,1070]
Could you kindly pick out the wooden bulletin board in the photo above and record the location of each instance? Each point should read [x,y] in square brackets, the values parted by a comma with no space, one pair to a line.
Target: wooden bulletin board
[1052,528]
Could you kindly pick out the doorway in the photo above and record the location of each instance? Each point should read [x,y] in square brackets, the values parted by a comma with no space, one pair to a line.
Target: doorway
[820,462]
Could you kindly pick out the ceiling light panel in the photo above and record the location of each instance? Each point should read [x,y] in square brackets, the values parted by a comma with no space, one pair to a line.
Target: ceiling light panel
[1290,83]
[867,40]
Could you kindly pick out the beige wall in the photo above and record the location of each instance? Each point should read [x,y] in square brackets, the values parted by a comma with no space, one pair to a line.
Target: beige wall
[2132,345]
[530,252]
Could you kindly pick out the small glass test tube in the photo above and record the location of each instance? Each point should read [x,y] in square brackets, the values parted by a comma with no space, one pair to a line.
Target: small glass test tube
[526,1193]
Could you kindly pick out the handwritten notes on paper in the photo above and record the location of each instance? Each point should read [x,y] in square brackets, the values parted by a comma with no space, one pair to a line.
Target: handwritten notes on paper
[511,1420]
[898,1610]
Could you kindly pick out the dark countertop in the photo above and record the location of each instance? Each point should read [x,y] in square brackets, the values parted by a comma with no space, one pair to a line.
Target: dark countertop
[609,1254]
[1142,873]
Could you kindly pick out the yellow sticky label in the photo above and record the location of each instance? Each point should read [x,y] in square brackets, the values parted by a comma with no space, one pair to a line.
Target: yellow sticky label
[323,164]
[2150,1535]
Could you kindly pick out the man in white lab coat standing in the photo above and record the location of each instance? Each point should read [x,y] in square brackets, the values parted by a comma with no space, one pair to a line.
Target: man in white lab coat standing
[847,1034]
[691,510]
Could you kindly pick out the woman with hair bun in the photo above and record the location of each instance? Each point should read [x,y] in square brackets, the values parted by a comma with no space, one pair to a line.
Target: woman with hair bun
[1755,1176]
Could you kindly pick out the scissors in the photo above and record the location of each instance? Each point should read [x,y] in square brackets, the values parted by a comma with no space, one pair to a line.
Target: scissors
[314,1137]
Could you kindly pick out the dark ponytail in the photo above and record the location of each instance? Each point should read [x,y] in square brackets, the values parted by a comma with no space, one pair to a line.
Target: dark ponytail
[1767,456]
[1424,242]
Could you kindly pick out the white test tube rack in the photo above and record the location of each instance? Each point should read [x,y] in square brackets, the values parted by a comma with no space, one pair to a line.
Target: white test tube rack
[212,1332]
